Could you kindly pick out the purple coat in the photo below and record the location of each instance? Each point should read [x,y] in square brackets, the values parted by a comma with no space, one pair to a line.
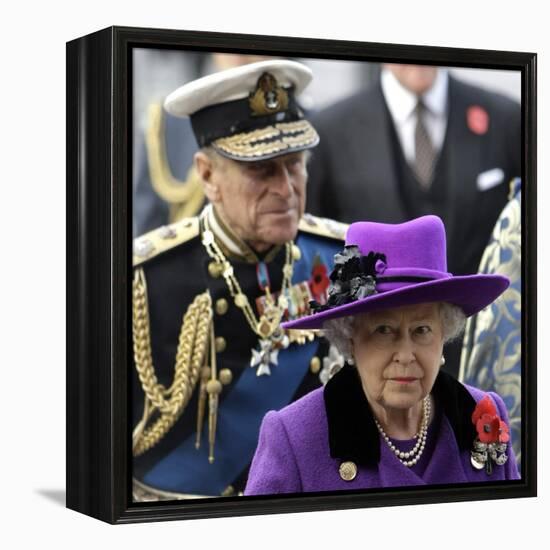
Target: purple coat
[302,446]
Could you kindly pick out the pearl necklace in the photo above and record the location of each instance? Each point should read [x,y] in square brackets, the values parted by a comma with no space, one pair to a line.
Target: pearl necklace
[411,457]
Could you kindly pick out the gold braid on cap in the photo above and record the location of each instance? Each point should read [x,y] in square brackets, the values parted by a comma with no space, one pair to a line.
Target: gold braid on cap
[170,402]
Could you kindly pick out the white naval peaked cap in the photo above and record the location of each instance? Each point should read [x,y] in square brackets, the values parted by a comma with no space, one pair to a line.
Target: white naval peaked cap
[250,112]
[235,83]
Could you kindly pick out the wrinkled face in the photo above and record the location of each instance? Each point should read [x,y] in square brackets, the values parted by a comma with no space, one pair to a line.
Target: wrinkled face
[398,353]
[416,78]
[263,201]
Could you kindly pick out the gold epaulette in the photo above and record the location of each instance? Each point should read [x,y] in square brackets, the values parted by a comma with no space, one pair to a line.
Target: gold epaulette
[323,226]
[164,238]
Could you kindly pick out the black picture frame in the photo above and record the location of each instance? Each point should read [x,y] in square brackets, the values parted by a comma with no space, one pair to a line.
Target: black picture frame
[99,129]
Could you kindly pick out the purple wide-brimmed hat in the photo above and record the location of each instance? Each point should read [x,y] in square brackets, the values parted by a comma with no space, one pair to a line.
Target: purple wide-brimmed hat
[391,265]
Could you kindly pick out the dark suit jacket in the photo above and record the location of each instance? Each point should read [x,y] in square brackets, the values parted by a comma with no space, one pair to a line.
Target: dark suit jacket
[353,174]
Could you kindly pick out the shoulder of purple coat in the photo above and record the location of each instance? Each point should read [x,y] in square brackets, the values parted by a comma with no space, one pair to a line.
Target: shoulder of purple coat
[306,405]
[306,417]
[273,469]
[288,442]
[476,393]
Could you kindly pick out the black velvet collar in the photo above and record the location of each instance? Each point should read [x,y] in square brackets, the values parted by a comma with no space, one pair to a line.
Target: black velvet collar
[351,429]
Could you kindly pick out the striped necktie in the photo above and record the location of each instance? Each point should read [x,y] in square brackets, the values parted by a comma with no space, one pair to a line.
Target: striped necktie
[424,150]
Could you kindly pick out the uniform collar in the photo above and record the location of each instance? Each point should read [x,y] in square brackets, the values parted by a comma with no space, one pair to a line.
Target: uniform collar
[401,102]
[232,245]
[352,433]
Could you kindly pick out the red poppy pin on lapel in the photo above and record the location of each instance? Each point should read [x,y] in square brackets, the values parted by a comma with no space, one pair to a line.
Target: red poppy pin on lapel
[492,437]
[477,119]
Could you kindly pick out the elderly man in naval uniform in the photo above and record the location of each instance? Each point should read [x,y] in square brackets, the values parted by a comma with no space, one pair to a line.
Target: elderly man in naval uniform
[210,292]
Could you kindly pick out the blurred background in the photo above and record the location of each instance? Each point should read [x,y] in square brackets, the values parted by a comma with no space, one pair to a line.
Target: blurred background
[158,200]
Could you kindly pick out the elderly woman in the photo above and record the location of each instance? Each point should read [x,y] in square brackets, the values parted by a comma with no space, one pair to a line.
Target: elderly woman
[389,417]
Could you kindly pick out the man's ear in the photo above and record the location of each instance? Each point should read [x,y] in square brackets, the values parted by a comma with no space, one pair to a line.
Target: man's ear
[204,165]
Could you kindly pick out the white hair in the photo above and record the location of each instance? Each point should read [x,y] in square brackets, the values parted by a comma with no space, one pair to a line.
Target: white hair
[339,332]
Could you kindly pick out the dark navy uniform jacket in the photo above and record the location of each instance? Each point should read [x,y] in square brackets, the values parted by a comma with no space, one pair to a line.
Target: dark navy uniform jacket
[175,264]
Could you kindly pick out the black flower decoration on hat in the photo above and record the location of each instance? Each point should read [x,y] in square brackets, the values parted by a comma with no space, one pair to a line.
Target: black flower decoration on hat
[353,277]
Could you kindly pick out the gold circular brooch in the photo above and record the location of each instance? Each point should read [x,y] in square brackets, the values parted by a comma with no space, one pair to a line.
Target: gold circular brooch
[348,471]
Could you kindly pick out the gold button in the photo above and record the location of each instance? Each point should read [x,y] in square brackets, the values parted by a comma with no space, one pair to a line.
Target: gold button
[228,491]
[215,269]
[348,471]
[226,376]
[214,387]
[315,365]
[221,306]
[220,344]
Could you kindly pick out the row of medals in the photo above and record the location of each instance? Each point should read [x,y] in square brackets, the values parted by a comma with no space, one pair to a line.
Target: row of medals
[272,336]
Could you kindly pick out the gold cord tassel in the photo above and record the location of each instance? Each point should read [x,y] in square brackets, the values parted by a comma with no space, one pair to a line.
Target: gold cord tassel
[214,388]
[166,404]
[205,375]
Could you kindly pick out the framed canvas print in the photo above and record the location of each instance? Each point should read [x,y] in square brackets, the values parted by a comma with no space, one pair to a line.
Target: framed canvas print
[301,274]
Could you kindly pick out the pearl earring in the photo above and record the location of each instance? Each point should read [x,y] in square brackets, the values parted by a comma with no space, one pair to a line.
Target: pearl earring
[351,361]
[442,362]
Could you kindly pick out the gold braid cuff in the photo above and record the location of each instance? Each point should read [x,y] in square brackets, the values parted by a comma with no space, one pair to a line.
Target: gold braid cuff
[191,353]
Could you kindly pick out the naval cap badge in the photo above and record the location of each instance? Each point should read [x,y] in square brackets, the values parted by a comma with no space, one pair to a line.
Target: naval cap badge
[268,97]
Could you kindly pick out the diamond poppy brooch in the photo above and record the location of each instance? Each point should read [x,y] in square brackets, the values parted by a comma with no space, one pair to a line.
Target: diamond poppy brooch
[492,437]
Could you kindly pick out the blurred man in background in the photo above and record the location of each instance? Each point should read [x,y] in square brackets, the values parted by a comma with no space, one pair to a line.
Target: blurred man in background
[165,186]
[210,291]
[419,142]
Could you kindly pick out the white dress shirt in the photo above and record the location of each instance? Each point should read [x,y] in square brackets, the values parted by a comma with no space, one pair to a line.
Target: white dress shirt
[401,104]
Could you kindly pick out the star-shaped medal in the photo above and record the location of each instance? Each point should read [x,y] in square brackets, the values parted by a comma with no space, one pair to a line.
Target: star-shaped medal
[264,357]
